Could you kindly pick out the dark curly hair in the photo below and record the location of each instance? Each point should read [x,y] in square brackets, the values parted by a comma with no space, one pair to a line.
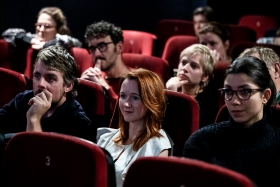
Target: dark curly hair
[102,29]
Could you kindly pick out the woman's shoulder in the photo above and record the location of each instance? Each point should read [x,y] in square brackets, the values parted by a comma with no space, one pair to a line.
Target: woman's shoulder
[105,132]
[164,141]
[214,128]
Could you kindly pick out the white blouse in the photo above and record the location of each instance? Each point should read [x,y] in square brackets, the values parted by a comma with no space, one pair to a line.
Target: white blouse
[153,147]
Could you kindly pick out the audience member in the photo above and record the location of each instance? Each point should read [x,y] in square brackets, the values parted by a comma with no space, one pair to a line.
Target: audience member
[50,106]
[217,38]
[194,72]
[272,62]
[142,104]
[245,143]
[105,44]
[201,16]
[275,39]
[51,29]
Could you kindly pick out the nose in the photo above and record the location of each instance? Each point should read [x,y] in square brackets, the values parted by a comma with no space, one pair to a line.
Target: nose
[186,67]
[126,104]
[235,99]
[42,28]
[97,52]
[42,83]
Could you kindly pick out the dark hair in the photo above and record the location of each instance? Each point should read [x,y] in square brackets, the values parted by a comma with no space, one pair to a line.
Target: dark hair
[216,28]
[257,70]
[59,18]
[57,58]
[206,11]
[102,29]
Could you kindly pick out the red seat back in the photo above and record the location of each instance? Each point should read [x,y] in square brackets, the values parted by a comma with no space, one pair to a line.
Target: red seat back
[260,23]
[239,33]
[165,28]
[174,46]
[218,80]
[4,54]
[239,47]
[95,102]
[51,159]
[82,58]
[181,172]
[11,83]
[138,42]
[152,63]
[180,121]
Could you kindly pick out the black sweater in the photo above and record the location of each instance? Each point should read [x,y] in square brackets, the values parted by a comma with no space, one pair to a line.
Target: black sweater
[253,151]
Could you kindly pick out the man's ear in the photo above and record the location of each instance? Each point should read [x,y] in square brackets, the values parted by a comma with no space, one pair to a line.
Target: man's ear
[68,87]
[277,70]
[119,47]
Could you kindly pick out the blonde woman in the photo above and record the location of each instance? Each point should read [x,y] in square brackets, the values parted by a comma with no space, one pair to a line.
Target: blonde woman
[195,70]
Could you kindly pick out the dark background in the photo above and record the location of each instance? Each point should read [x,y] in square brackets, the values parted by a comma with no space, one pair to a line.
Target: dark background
[134,15]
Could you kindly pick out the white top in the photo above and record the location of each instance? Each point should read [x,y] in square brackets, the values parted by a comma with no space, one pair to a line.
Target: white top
[153,147]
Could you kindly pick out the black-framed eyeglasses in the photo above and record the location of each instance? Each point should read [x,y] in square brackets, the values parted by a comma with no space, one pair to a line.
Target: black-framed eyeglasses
[102,47]
[242,94]
[46,26]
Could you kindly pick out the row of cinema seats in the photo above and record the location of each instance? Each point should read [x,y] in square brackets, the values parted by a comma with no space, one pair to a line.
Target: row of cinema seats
[50,159]
[179,124]
[94,98]
[248,28]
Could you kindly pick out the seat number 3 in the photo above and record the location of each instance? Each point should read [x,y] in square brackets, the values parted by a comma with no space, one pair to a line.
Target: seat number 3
[48,160]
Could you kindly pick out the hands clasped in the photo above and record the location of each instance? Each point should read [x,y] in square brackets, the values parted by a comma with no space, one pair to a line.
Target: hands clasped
[37,44]
[95,75]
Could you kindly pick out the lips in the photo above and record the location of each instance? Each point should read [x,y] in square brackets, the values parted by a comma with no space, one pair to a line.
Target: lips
[236,113]
[183,77]
[38,91]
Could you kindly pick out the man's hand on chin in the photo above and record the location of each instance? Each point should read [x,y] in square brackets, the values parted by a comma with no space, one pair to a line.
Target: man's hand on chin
[40,104]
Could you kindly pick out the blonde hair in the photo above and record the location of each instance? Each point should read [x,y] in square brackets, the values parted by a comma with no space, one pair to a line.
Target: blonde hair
[151,88]
[207,60]
[266,54]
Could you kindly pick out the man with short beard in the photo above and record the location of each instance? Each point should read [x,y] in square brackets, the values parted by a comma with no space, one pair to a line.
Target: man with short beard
[105,45]
[50,106]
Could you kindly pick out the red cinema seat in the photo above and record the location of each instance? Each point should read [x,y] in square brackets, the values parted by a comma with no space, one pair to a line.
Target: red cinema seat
[152,63]
[181,172]
[82,58]
[173,48]
[4,54]
[180,121]
[138,42]
[11,83]
[51,159]
[239,33]
[95,102]
[165,28]
[260,23]
[239,47]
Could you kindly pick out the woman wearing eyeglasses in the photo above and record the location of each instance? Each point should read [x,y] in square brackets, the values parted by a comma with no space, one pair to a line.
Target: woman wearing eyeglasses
[51,29]
[217,38]
[245,143]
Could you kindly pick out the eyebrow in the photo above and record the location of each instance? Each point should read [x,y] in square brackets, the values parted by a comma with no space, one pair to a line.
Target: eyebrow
[132,93]
[241,86]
